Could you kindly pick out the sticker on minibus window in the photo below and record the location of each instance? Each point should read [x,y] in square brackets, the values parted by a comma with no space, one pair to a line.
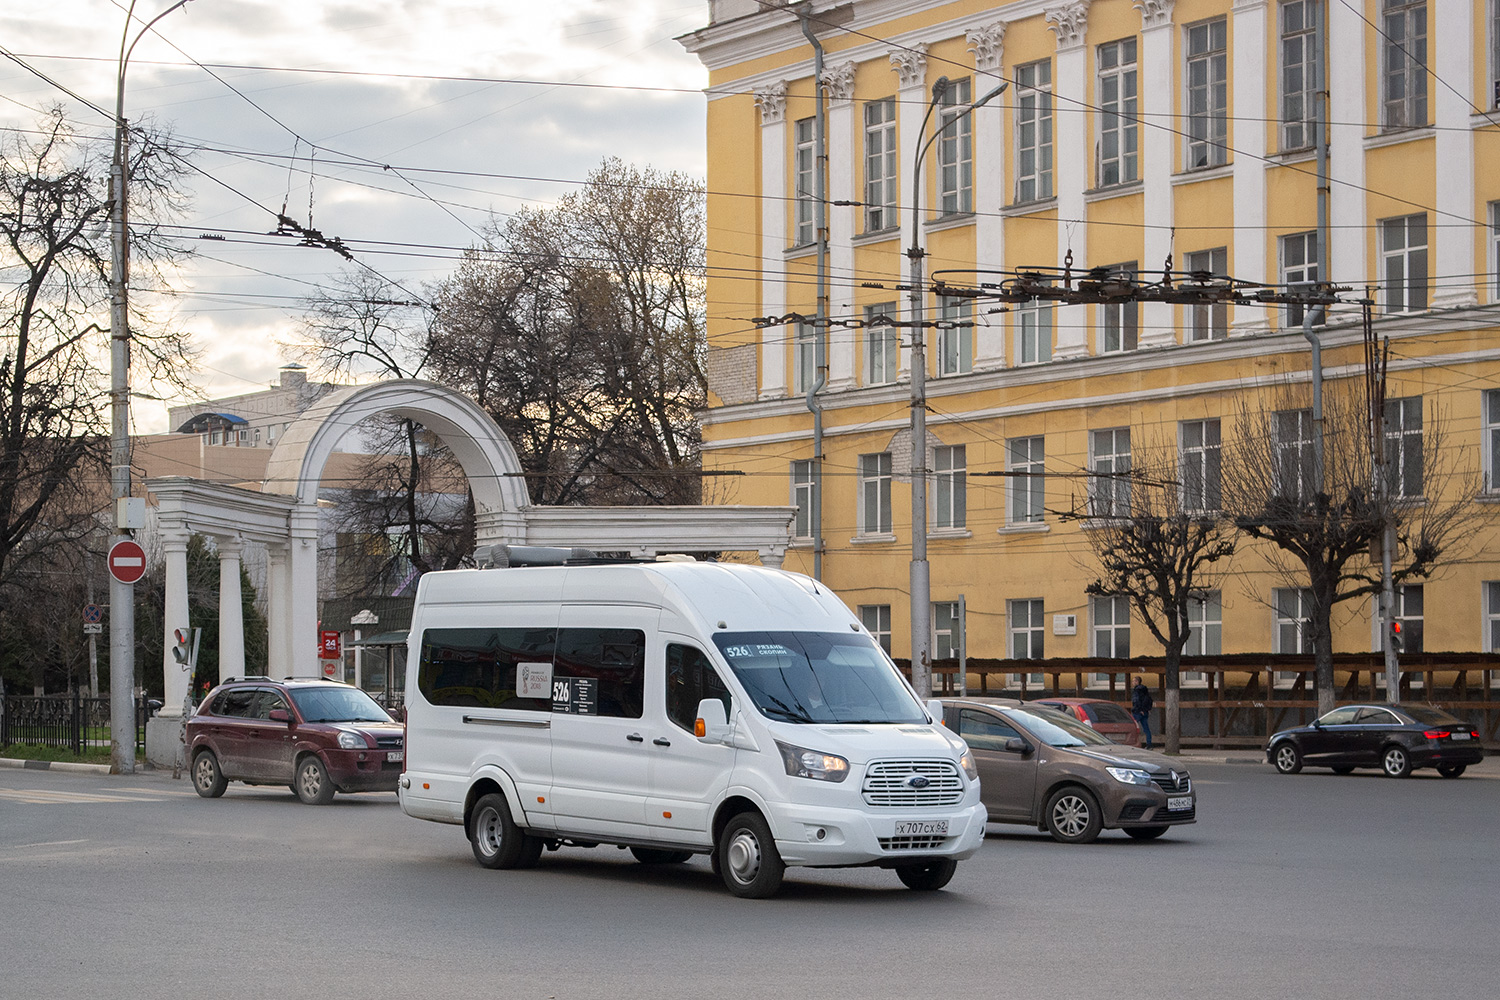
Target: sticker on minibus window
[533,680]
[575,695]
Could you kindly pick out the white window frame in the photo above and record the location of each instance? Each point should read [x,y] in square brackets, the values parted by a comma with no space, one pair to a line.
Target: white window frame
[1495,221]
[1404,456]
[1026,629]
[804,170]
[1109,627]
[804,356]
[1299,264]
[1205,624]
[1026,500]
[1298,626]
[881,175]
[1300,73]
[1405,264]
[946,628]
[1292,439]
[1211,321]
[877,621]
[1403,65]
[1034,132]
[955,149]
[1410,608]
[1118,95]
[955,344]
[1489,402]
[1109,455]
[949,487]
[1489,609]
[1120,322]
[802,498]
[875,493]
[1206,79]
[882,346]
[1200,465]
[1034,333]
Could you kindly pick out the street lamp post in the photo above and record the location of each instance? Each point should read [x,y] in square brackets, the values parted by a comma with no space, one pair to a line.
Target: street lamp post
[122,595]
[921,580]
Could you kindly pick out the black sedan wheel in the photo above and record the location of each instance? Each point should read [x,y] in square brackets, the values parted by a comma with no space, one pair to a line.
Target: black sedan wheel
[1396,762]
[1287,758]
[1452,770]
[1073,816]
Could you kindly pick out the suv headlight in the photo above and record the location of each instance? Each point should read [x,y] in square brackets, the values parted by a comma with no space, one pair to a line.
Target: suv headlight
[1129,775]
[803,763]
[967,763]
[352,741]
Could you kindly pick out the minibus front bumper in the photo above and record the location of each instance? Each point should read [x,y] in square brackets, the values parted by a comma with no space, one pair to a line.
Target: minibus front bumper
[822,836]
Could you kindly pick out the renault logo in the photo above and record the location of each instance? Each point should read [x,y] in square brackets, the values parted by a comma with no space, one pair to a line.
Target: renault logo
[918,781]
[1174,779]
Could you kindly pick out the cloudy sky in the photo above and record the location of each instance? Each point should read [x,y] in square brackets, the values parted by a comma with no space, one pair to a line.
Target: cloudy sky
[314,97]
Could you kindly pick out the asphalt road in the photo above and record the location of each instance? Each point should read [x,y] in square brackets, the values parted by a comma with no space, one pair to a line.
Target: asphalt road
[1308,886]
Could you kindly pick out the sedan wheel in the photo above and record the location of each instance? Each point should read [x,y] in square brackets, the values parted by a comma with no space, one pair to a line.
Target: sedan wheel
[1452,770]
[1073,816]
[1395,762]
[1288,758]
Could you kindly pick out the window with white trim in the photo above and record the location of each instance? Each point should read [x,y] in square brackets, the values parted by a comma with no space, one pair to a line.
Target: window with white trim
[956,149]
[1403,446]
[955,343]
[1033,333]
[946,628]
[950,492]
[802,498]
[1403,251]
[1117,96]
[882,344]
[1200,463]
[1409,613]
[875,494]
[1109,460]
[1210,321]
[1492,442]
[804,356]
[1111,626]
[880,165]
[1027,632]
[1494,78]
[1293,607]
[1300,54]
[1033,131]
[876,619]
[1119,322]
[1492,616]
[1296,459]
[805,161]
[1495,215]
[1403,48]
[1025,461]
[1299,263]
[1205,624]
[1207,94]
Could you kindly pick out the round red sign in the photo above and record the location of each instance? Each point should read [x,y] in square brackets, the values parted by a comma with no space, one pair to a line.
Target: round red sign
[126,561]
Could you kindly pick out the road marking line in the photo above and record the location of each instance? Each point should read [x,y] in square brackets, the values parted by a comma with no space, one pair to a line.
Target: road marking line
[53,843]
[41,796]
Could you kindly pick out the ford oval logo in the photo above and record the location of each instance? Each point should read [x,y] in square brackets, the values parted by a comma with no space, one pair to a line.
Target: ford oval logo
[918,781]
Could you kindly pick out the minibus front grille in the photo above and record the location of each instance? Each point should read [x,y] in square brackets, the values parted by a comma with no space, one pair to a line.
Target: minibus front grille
[889,783]
[912,843]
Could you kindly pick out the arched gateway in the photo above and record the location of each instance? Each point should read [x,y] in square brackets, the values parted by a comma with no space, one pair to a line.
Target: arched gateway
[283,516]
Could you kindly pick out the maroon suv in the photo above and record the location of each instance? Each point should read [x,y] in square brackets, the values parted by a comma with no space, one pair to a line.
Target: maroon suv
[315,736]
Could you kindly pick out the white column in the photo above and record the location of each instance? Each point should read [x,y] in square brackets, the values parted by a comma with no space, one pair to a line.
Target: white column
[1247,134]
[302,635]
[912,98]
[175,679]
[843,129]
[231,610]
[773,214]
[359,664]
[1070,159]
[988,45]
[1158,57]
[1347,263]
[278,611]
[1451,22]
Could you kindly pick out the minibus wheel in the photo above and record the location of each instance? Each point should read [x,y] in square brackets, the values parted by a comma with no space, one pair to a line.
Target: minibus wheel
[748,860]
[497,841]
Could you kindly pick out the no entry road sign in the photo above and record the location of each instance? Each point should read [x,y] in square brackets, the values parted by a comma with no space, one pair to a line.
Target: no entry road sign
[127,561]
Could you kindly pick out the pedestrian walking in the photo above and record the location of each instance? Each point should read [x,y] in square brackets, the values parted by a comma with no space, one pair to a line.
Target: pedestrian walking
[1140,707]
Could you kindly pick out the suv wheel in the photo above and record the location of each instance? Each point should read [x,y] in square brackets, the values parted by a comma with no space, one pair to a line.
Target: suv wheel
[1073,816]
[313,785]
[208,780]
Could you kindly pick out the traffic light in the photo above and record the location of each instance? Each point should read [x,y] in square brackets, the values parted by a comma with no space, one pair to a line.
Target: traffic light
[185,649]
[1396,636]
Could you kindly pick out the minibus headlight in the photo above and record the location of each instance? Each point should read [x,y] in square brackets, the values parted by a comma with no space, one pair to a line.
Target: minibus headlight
[967,763]
[802,763]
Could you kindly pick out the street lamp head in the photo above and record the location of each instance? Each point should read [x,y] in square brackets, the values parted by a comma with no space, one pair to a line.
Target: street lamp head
[939,89]
[992,94]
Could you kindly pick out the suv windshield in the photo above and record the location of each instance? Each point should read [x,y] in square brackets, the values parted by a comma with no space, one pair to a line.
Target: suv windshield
[337,704]
[819,677]
[1056,729]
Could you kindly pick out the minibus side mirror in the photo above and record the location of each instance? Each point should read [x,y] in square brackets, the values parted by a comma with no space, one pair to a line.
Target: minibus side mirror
[935,709]
[712,725]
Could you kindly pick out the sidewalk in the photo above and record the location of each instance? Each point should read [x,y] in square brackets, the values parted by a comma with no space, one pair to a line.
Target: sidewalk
[53,765]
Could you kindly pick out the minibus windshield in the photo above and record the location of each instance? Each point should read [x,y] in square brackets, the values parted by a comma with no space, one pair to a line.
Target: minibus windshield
[819,677]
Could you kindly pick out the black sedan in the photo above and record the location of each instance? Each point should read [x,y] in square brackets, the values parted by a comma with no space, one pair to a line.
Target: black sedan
[1398,739]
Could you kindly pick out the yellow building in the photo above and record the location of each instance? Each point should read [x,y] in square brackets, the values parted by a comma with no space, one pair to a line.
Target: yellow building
[1130,132]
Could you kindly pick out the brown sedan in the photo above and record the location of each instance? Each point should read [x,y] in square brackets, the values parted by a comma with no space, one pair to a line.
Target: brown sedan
[1044,768]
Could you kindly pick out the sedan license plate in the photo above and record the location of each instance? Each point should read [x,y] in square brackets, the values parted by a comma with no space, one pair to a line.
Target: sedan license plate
[395,755]
[1458,736]
[922,828]
[1179,803]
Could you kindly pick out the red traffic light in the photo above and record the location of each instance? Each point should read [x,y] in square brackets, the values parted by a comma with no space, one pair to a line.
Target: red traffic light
[1395,628]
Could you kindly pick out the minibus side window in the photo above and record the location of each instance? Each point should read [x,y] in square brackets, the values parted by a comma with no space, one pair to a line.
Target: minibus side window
[476,667]
[602,671]
[690,679]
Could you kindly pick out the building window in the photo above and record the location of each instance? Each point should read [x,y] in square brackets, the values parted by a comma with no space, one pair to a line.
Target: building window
[1492,440]
[1109,460]
[1207,94]
[875,494]
[956,341]
[956,150]
[1404,83]
[950,494]
[1409,614]
[946,629]
[1403,248]
[1492,616]
[876,619]
[805,166]
[1026,629]
[1495,205]
[1299,264]
[1211,321]
[1293,620]
[1112,626]
[1205,625]
[880,165]
[1119,326]
[804,357]
[1202,488]
[882,344]
[1034,131]
[1034,333]
[1299,72]
[1295,456]
[1495,54]
[1403,446]
[1118,133]
[1024,460]
[215,436]
[802,498]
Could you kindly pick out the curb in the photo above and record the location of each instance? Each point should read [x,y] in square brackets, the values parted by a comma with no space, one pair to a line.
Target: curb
[54,765]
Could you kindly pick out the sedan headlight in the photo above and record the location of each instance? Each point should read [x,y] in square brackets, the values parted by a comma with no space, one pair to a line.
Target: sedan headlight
[967,763]
[352,741]
[1129,775]
[803,763]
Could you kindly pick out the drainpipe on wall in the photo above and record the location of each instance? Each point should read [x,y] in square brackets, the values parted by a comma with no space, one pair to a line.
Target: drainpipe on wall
[820,329]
